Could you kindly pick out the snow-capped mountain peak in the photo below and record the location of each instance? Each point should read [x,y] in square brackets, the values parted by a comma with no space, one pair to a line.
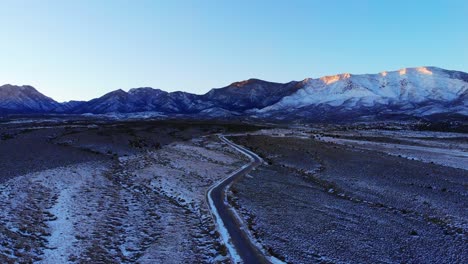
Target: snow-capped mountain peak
[404,86]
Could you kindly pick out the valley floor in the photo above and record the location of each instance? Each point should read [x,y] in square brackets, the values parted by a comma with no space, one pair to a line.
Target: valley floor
[142,208]
[136,193]
[317,201]
[145,206]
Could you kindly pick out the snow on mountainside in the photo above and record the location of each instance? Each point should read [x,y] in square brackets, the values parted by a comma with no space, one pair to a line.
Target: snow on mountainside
[412,91]
[24,99]
[409,92]
[406,88]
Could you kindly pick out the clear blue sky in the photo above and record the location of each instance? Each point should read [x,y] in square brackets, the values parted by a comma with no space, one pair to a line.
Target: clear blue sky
[72,49]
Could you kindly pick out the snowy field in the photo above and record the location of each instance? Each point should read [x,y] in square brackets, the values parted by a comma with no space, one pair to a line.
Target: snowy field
[319,202]
[139,208]
[447,149]
[136,193]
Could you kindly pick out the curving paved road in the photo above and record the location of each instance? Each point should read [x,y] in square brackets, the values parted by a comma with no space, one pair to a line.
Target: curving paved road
[240,247]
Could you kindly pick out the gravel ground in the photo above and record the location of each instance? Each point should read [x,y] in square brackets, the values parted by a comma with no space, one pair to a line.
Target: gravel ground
[322,202]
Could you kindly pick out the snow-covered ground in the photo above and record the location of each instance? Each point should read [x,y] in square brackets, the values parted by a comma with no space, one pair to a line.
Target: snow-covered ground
[39,211]
[148,208]
[443,148]
[318,202]
[447,149]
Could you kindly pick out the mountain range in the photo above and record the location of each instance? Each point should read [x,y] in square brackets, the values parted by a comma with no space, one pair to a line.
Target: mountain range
[422,92]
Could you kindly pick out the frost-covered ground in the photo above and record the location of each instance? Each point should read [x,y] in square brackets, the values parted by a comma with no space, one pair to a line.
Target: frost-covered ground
[318,202]
[135,192]
[443,148]
[447,149]
[147,208]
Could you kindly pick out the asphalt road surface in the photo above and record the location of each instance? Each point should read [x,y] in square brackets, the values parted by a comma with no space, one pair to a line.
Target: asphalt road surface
[245,250]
